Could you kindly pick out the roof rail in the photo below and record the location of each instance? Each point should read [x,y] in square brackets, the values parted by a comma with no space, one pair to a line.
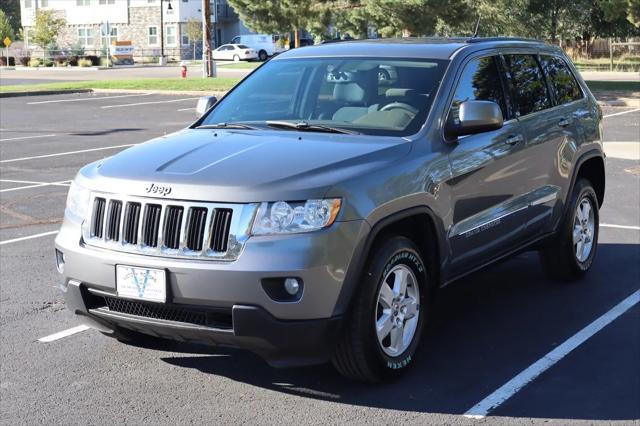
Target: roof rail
[482,39]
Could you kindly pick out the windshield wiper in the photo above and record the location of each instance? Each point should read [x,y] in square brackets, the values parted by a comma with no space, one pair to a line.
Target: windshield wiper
[227,126]
[304,126]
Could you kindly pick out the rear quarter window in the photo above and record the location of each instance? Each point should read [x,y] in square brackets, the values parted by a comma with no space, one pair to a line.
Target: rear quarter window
[563,83]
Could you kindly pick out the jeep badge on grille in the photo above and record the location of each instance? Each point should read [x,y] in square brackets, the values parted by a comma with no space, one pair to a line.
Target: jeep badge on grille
[160,190]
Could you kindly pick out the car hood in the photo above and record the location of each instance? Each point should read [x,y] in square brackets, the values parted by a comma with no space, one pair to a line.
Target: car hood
[241,166]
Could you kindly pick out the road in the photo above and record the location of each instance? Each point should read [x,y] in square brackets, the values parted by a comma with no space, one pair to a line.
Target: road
[485,329]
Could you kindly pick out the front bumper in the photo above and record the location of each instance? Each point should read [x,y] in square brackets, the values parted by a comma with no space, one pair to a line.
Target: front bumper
[285,334]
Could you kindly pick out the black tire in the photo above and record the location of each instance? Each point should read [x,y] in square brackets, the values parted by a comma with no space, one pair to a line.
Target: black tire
[558,257]
[262,55]
[359,354]
[236,58]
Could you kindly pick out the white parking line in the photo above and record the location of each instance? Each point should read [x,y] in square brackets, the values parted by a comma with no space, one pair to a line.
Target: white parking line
[148,103]
[609,225]
[26,137]
[88,99]
[63,333]
[12,160]
[506,391]
[29,237]
[620,113]
[32,184]
[187,109]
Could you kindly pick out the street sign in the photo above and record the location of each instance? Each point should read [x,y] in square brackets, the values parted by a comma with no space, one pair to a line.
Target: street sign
[7,42]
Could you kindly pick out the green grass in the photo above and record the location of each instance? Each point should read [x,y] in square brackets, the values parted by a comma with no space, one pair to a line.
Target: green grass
[223,84]
[195,84]
[626,63]
[240,65]
[614,86]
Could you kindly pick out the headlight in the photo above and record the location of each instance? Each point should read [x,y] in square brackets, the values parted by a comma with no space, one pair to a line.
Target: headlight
[295,217]
[77,202]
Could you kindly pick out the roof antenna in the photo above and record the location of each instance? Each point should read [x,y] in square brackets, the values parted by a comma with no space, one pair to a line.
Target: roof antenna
[475,32]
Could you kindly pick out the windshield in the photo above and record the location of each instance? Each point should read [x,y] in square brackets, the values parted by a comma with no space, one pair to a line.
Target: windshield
[376,96]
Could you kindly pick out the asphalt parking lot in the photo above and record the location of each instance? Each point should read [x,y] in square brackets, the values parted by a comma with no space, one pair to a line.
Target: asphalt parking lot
[486,329]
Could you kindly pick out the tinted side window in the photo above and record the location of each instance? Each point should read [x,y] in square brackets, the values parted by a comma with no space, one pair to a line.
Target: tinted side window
[563,83]
[527,83]
[479,81]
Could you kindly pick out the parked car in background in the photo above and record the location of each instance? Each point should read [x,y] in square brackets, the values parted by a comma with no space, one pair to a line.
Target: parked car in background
[263,44]
[234,52]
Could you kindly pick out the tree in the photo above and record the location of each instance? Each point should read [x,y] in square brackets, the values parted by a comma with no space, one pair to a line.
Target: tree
[615,10]
[11,9]
[278,16]
[194,33]
[5,27]
[46,28]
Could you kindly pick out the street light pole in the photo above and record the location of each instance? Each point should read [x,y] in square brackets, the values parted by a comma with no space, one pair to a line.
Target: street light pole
[161,33]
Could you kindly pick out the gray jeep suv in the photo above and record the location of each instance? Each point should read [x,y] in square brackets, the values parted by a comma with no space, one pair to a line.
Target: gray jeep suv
[313,212]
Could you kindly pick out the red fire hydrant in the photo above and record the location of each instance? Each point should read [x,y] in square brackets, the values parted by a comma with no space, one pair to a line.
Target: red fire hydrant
[183,69]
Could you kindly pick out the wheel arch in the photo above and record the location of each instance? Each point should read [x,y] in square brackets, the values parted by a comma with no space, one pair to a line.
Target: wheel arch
[591,166]
[411,223]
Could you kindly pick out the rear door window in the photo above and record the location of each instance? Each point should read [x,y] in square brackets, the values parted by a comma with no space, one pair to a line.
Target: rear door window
[563,83]
[527,84]
[480,80]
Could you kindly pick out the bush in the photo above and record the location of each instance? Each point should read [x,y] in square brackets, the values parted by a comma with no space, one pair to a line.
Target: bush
[61,61]
[73,61]
[34,63]
[84,63]
[24,60]
[3,61]
[48,63]
[104,62]
[95,61]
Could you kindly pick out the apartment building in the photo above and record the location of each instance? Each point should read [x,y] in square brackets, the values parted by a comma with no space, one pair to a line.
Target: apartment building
[94,24]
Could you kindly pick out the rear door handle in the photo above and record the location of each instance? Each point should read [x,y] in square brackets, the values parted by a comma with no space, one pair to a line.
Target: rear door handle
[563,122]
[514,139]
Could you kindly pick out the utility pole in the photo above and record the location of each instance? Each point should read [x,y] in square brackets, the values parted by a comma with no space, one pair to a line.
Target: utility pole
[208,66]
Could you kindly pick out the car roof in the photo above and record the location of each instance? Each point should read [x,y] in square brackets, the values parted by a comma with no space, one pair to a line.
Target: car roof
[412,47]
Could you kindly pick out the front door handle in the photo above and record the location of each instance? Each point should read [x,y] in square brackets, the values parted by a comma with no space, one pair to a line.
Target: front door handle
[563,122]
[514,139]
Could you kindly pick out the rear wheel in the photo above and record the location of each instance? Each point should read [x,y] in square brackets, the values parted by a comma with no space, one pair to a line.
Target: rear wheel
[383,329]
[262,55]
[570,254]
[236,58]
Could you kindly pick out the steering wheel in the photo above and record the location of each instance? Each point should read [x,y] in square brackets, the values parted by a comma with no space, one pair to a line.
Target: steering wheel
[400,105]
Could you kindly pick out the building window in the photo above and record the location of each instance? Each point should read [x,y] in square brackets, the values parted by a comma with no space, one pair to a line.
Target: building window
[85,37]
[44,3]
[184,38]
[83,2]
[170,35]
[153,36]
[108,39]
[106,1]
[28,4]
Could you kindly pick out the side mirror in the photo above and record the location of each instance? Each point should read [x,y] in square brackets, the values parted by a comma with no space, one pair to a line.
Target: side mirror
[477,117]
[204,104]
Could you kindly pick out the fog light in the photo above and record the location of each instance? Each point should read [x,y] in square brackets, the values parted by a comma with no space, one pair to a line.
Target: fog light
[59,261]
[292,286]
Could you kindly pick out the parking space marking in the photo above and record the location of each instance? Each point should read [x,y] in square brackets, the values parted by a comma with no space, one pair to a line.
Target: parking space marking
[88,99]
[187,109]
[12,160]
[28,237]
[620,113]
[148,103]
[27,137]
[32,184]
[609,225]
[506,391]
[63,333]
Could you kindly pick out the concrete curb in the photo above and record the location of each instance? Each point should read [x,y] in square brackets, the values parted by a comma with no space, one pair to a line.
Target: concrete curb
[43,93]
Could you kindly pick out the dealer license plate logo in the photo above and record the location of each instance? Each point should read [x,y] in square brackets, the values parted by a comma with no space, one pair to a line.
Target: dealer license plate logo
[141,283]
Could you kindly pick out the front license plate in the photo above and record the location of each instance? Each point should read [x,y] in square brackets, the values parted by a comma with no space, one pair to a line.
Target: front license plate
[141,283]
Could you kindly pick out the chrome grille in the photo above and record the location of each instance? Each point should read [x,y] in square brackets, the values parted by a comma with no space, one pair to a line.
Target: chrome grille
[168,228]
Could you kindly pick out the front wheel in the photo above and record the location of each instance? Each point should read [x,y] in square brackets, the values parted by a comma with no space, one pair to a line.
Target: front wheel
[571,252]
[383,329]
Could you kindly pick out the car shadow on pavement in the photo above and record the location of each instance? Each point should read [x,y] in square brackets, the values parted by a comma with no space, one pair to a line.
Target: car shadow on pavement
[484,330]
